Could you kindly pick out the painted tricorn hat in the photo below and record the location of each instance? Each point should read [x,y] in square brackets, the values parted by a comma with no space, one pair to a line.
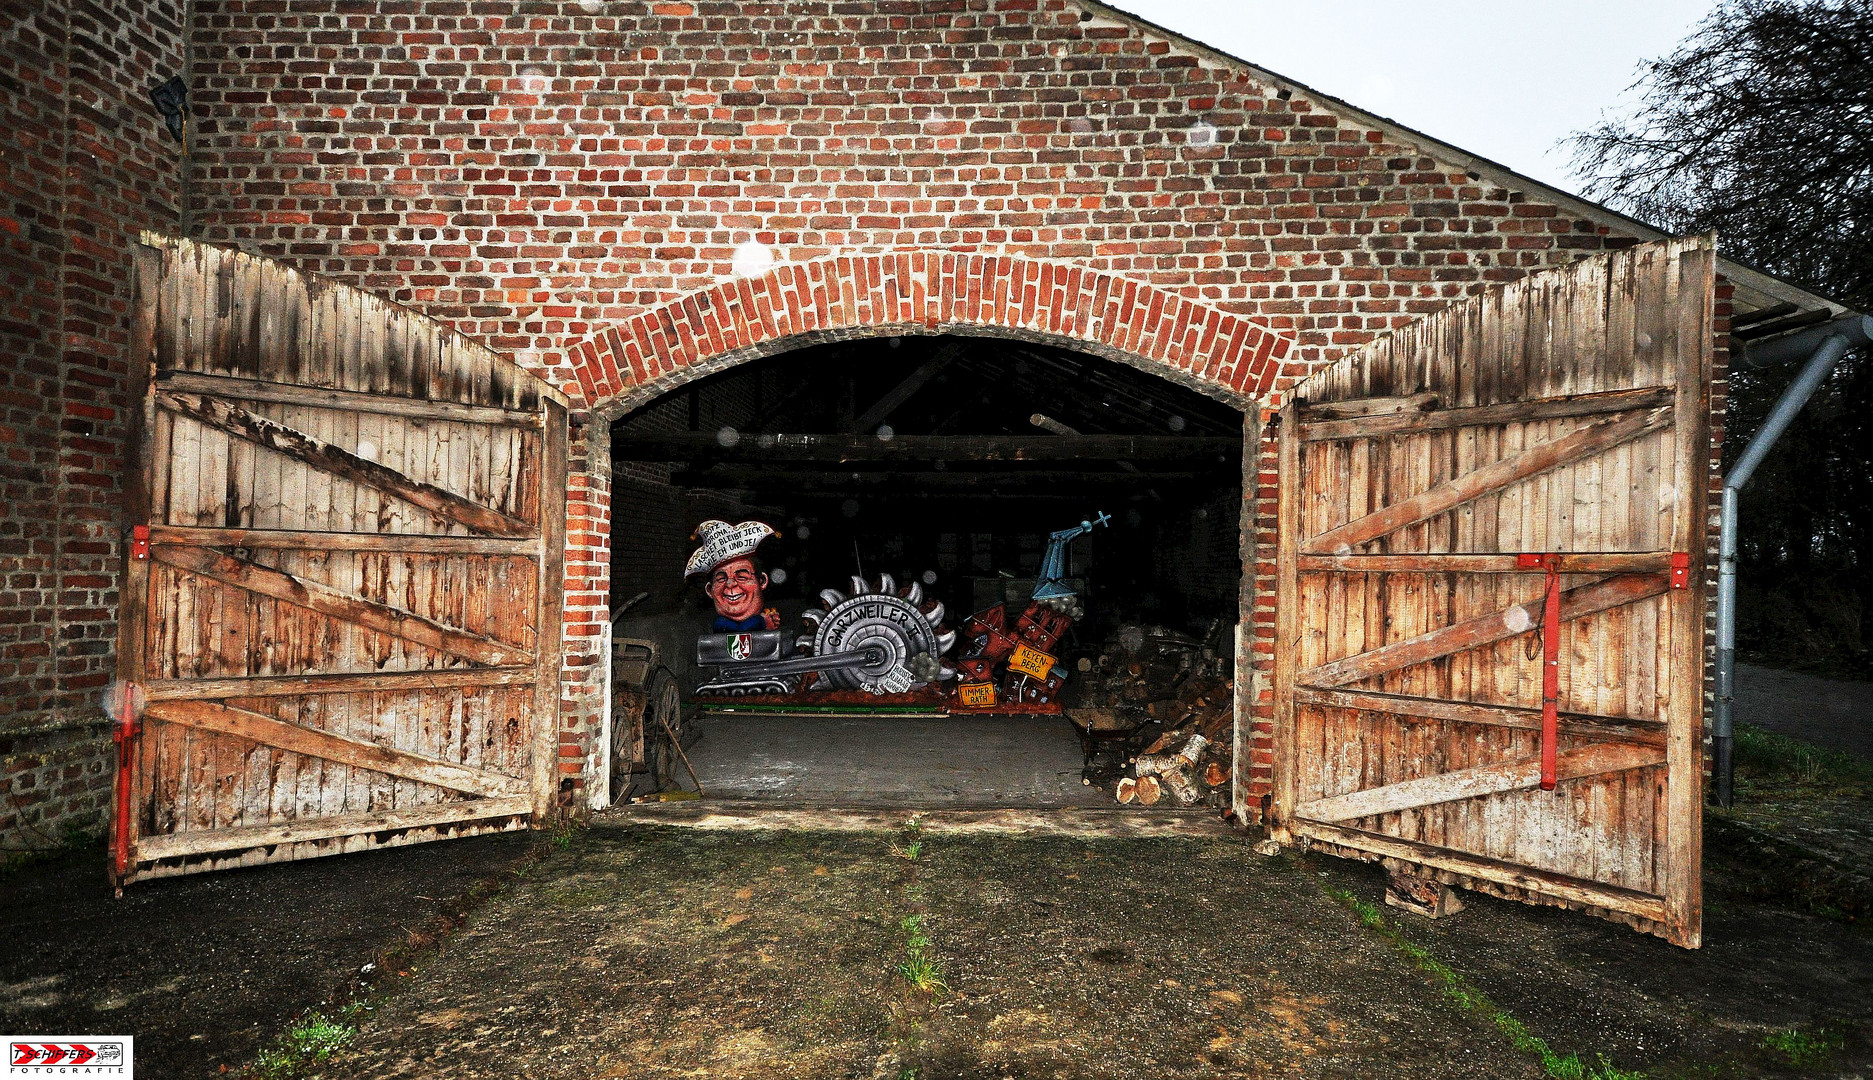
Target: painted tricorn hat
[722,542]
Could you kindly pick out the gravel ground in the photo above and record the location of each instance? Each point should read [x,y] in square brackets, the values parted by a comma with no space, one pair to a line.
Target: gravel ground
[206,970]
[722,948]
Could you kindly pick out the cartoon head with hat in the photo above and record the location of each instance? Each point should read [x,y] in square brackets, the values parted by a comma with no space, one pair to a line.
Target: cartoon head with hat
[735,583]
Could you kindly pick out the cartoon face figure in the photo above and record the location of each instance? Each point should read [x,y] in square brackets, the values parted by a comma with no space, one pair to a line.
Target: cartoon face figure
[737,588]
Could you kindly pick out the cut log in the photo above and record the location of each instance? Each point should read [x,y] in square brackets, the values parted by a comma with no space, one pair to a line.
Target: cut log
[1214,774]
[1215,724]
[1177,784]
[1147,791]
[1156,764]
[1128,790]
[1409,888]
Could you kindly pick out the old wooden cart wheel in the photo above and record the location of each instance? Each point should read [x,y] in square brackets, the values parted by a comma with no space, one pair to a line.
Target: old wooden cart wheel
[663,714]
[628,714]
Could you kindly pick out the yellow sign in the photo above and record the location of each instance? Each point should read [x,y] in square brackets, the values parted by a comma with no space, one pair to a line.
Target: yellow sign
[1029,660]
[976,695]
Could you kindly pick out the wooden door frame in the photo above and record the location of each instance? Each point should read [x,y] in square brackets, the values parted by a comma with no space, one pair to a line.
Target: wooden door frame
[216,401]
[1691,295]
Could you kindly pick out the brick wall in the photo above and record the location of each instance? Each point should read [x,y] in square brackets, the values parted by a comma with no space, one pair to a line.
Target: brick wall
[545,175]
[564,180]
[88,164]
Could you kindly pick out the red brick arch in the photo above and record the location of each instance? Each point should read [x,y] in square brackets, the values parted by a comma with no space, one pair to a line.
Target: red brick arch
[931,292]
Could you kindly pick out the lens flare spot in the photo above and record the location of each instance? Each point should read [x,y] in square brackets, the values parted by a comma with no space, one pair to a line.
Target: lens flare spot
[123,701]
[753,259]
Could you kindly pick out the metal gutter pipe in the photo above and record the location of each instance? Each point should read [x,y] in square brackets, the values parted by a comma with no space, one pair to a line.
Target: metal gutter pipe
[1824,346]
[1857,329]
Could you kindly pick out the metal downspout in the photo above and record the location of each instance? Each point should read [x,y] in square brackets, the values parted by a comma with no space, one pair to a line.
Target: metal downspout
[1828,344]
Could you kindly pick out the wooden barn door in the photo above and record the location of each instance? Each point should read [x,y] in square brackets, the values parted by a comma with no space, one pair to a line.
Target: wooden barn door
[1547,441]
[341,599]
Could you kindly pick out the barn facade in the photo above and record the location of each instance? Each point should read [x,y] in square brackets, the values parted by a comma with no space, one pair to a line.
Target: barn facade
[566,186]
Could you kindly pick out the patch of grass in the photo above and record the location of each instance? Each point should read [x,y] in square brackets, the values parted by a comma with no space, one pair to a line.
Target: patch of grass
[563,832]
[908,851]
[1804,1049]
[921,968]
[1768,756]
[1471,999]
[308,1044]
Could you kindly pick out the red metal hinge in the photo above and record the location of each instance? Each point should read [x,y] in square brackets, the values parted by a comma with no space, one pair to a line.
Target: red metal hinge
[1680,569]
[139,542]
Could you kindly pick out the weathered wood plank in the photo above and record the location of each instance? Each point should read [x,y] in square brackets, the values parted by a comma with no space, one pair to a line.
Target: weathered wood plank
[1477,782]
[1290,520]
[1561,886]
[321,455]
[1694,274]
[178,845]
[330,746]
[338,604]
[553,455]
[1643,732]
[132,789]
[1486,630]
[306,540]
[1354,408]
[1533,461]
[1411,423]
[1246,683]
[1610,562]
[297,685]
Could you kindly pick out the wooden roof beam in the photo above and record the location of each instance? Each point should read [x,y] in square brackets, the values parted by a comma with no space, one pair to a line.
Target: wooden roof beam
[710,447]
[944,355]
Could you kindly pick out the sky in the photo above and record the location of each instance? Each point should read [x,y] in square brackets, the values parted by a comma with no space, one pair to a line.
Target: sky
[1503,79]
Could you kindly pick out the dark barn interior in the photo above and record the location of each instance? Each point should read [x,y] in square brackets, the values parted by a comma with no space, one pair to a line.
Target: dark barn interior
[949,460]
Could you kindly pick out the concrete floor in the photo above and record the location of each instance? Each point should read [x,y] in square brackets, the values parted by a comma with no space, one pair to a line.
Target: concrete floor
[1034,762]
[1029,761]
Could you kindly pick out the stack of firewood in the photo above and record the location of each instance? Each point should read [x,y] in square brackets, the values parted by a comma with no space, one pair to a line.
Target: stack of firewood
[1198,727]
